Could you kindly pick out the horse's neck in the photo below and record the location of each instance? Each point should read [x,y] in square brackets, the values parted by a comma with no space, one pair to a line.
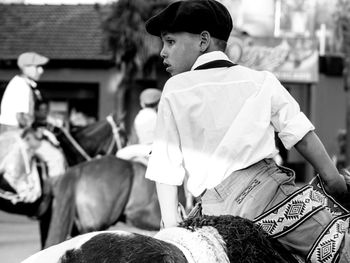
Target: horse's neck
[95,138]
[82,144]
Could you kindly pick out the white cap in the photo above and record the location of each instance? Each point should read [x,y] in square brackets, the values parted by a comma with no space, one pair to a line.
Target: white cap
[150,96]
[31,59]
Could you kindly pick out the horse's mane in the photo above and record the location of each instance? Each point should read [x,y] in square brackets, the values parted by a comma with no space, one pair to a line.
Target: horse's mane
[244,239]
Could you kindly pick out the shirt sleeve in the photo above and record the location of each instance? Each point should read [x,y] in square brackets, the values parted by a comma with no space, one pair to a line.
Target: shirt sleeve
[166,161]
[290,123]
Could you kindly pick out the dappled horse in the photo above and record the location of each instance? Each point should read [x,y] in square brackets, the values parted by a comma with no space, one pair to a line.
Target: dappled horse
[221,239]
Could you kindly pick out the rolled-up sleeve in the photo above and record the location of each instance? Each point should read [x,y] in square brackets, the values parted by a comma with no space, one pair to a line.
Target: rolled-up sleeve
[290,123]
[166,162]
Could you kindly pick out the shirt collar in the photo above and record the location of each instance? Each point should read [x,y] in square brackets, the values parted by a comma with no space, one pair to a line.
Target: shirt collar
[30,82]
[207,57]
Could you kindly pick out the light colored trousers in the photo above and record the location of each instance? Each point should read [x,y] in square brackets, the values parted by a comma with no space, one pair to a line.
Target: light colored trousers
[252,191]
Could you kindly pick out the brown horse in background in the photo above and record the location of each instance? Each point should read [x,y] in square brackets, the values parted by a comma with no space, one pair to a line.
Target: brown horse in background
[96,194]
[89,196]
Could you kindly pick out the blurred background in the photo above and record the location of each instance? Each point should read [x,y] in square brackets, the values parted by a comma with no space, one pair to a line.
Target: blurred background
[101,59]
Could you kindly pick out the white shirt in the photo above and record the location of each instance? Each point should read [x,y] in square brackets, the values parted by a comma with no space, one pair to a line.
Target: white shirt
[145,123]
[18,97]
[213,122]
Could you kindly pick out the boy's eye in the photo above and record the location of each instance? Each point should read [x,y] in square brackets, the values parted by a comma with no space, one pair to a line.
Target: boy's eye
[170,41]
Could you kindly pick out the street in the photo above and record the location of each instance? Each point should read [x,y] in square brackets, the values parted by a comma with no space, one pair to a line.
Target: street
[19,237]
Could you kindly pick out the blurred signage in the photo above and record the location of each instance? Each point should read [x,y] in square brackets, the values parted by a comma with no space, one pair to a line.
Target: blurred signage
[290,59]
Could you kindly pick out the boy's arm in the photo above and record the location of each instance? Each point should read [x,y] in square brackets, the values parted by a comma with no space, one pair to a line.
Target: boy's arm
[312,149]
[168,202]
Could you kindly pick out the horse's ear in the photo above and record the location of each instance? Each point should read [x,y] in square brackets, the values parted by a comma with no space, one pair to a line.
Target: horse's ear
[196,212]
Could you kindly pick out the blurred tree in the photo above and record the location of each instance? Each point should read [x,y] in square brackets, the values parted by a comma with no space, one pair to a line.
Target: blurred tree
[126,37]
[342,21]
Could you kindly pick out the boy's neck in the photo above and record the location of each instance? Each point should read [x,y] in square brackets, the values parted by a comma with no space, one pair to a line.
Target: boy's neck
[209,56]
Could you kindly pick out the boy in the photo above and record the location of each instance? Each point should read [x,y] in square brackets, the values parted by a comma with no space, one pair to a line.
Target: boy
[216,124]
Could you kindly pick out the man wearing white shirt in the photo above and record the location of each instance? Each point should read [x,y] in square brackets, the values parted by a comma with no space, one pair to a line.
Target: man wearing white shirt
[144,125]
[18,101]
[145,120]
[216,124]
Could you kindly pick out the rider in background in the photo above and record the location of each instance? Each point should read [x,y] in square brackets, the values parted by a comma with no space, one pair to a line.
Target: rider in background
[145,120]
[144,125]
[21,94]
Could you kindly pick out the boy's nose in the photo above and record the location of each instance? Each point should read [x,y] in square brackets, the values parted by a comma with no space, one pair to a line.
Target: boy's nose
[163,53]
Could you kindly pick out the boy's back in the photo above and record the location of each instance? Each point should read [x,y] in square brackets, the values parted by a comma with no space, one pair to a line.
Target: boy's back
[224,119]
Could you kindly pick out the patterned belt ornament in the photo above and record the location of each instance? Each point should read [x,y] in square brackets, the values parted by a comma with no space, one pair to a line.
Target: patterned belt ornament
[292,212]
[300,206]
[326,248]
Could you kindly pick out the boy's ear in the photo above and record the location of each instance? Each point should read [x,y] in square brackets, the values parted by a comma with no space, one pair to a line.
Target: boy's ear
[204,41]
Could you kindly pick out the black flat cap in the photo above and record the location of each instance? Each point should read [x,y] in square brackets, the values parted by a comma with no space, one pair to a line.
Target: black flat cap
[192,16]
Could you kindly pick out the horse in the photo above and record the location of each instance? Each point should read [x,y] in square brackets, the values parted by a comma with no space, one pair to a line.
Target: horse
[202,238]
[104,138]
[89,196]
